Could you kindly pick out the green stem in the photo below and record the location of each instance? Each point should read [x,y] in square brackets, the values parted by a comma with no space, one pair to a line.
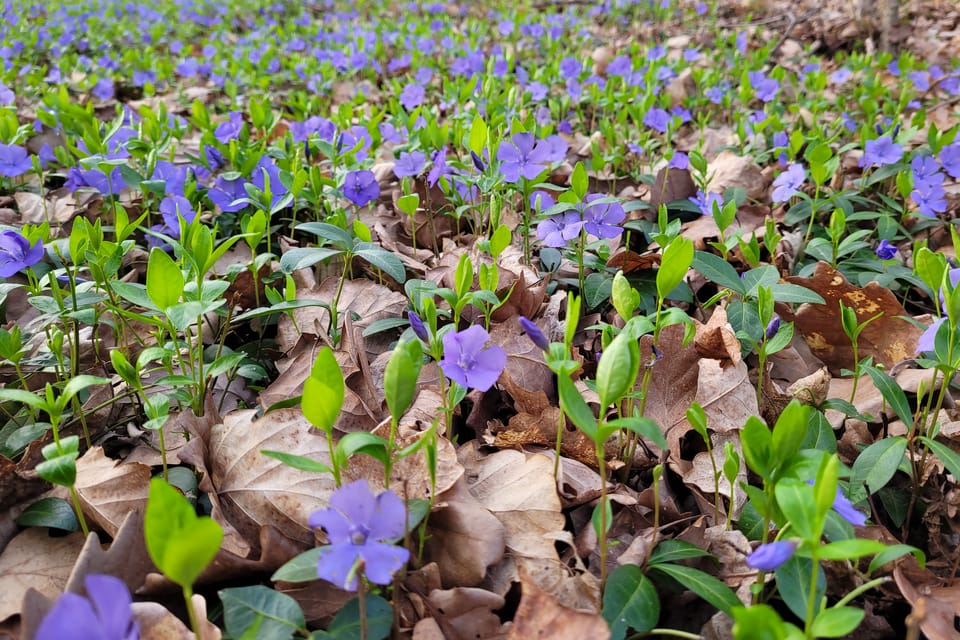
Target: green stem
[812,594]
[673,633]
[362,601]
[866,586]
[602,534]
[191,612]
[76,507]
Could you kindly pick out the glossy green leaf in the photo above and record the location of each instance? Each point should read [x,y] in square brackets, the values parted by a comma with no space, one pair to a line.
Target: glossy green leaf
[617,370]
[837,622]
[630,601]
[703,584]
[400,376]
[676,261]
[298,462]
[179,542]
[574,406]
[675,550]
[54,513]
[301,568]
[323,391]
[273,615]
[164,279]
[876,465]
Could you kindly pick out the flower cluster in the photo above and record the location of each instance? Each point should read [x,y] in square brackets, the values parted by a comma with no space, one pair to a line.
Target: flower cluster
[928,193]
[596,215]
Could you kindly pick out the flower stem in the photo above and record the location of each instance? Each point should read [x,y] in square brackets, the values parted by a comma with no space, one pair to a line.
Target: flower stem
[191,612]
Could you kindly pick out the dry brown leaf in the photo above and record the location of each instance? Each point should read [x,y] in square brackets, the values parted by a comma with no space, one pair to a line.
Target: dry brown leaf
[319,599]
[157,623]
[466,613]
[108,490]
[728,170]
[888,339]
[541,615]
[670,185]
[520,491]
[464,539]
[935,607]
[717,339]
[35,560]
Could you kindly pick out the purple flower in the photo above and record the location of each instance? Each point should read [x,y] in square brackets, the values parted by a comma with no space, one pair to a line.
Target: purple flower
[105,615]
[657,119]
[361,187]
[928,339]
[540,200]
[705,201]
[419,329]
[440,167]
[409,164]
[16,253]
[950,159]
[930,199]
[267,168]
[558,230]
[315,125]
[357,524]
[926,172]
[412,96]
[523,156]
[14,160]
[766,88]
[466,362]
[103,90]
[229,129]
[225,192]
[788,183]
[843,506]
[680,160]
[881,151]
[534,333]
[770,556]
[173,176]
[172,208]
[772,327]
[601,220]
[885,250]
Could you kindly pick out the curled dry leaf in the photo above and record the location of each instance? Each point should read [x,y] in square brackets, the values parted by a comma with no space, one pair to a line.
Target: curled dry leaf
[889,339]
[35,560]
[542,615]
[464,538]
[935,608]
[519,490]
[157,623]
[466,613]
[729,170]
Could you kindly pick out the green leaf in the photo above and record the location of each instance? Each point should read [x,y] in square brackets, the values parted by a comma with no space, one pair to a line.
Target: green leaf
[630,601]
[947,456]
[179,543]
[892,393]
[59,469]
[876,465]
[478,135]
[625,298]
[500,240]
[717,270]
[596,289]
[346,624]
[755,439]
[277,615]
[574,406]
[617,370]
[323,391]
[302,568]
[793,581]
[703,584]
[837,622]
[280,307]
[850,549]
[22,396]
[645,427]
[298,462]
[383,259]
[400,376]
[579,181]
[339,237]
[759,622]
[674,550]
[362,442]
[676,261]
[303,257]
[789,431]
[164,279]
[796,500]
[892,552]
[54,513]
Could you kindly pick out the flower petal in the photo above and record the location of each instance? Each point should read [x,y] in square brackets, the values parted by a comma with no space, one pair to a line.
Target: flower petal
[768,557]
[333,522]
[356,502]
[71,617]
[111,600]
[336,565]
[381,561]
[389,518]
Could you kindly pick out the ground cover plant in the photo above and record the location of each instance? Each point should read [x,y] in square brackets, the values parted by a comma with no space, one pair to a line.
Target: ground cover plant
[479,320]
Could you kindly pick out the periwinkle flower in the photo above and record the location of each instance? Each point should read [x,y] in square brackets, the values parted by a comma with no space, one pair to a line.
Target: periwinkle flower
[770,556]
[705,201]
[950,159]
[601,220]
[229,129]
[541,200]
[315,125]
[412,96]
[843,506]
[225,192]
[419,328]
[14,160]
[358,524]
[104,615]
[927,340]
[534,333]
[885,250]
[881,151]
[440,167]
[930,199]
[410,164]
[765,87]
[523,156]
[361,187]
[772,327]
[16,253]
[468,363]
[657,119]
[787,184]
[558,230]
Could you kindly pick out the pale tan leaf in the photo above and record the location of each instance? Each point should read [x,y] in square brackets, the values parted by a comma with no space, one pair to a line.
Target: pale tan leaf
[542,615]
[109,490]
[35,560]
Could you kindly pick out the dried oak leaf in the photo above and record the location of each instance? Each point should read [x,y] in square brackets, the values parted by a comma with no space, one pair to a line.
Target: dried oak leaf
[542,615]
[462,613]
[465,538]
[888,339]
[936,608]
[670,185]
[109,490]
[35,560]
